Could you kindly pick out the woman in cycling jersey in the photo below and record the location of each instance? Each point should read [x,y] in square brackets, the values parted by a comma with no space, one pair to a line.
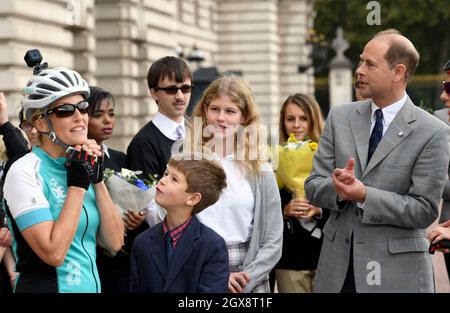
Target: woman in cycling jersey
[55,196]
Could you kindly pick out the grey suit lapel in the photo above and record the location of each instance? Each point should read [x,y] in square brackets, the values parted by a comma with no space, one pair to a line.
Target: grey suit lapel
[360,130]
[398,130]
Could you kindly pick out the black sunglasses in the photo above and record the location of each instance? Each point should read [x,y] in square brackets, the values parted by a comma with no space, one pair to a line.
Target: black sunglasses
[172,90]
[446,86]
[68,109]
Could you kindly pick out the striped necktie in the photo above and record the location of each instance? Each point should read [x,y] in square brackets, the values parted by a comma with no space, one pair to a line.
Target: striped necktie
[179,132]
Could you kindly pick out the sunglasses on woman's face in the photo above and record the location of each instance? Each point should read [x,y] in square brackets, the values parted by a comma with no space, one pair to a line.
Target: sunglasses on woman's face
[68,109]
[446,86]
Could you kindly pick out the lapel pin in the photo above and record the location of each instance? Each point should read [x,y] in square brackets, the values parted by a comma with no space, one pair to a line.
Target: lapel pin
[401,133]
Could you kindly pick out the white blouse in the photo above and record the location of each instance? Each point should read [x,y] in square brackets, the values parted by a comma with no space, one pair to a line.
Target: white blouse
[232,215]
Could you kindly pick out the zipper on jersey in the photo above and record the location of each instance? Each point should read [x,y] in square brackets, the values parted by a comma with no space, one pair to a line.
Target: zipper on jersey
[82,244]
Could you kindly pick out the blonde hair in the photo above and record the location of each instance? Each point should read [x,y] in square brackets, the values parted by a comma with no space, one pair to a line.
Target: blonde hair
[35,115]
[313,112]
[239,92]
[3,155]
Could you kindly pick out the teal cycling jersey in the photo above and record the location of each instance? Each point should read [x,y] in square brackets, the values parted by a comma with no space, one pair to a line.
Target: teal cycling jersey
[35,190]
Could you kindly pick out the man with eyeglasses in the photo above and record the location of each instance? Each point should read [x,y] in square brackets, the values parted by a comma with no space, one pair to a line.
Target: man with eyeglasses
[169,80]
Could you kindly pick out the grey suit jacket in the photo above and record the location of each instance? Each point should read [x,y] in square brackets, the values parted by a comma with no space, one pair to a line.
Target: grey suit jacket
[404,181]
[442,114]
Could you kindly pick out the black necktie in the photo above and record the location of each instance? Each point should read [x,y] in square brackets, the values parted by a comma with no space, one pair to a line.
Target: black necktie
[377,133]
[169,248]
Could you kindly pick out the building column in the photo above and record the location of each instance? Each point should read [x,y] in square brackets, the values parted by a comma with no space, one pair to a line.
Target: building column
[122,63]
[26,25]
[249,41]
[295,18]
[81,23]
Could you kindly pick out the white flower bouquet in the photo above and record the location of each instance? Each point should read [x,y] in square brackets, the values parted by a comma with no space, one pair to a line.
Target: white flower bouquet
[127,191]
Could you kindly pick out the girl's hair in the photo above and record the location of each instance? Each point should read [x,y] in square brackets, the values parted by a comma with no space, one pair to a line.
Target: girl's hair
[3,154]
[247,141]
[97,95]
[313,112]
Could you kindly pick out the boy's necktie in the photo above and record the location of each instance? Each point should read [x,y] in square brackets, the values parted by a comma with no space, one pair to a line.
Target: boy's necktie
[169,248]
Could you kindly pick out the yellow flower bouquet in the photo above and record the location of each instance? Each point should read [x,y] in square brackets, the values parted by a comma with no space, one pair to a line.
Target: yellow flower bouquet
[295,160]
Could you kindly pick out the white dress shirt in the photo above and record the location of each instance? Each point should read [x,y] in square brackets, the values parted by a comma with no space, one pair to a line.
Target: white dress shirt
[168,127]
[389,113]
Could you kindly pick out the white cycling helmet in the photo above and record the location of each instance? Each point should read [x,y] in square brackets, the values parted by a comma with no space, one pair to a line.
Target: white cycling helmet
[49,85]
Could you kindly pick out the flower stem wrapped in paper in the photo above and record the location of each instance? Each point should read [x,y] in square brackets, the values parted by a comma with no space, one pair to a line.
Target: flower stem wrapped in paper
[295,160]
[127,191]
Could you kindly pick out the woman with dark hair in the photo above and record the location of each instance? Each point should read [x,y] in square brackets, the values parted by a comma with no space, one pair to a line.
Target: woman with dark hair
[102,121]
[114,271]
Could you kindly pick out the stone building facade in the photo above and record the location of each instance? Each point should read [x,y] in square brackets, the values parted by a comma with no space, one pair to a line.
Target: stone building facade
[113,42]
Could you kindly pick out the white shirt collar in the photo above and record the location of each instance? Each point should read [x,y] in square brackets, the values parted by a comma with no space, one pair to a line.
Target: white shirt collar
[389,111]
[217,157]
[167,126]
[105,149]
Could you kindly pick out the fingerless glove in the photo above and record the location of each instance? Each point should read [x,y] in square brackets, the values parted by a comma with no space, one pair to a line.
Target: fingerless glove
[80,167]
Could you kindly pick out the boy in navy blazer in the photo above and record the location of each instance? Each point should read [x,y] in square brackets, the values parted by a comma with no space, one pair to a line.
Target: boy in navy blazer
[181,254]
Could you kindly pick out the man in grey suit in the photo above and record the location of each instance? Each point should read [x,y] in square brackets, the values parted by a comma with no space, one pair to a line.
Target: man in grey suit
[381,167]
[443,115]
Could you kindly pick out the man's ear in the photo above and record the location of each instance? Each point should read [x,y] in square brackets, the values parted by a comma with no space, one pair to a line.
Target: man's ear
[194,198]
[154,94]
[400,72]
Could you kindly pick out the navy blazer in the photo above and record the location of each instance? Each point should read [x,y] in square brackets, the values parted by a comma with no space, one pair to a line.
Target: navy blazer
[199,263]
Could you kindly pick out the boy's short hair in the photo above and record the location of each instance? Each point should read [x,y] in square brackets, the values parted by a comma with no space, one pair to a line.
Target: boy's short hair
[172,67]
[206,177]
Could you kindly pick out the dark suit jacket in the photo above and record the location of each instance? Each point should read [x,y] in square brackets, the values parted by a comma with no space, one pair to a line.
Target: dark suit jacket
[116,160]
[301,251]
[199,264]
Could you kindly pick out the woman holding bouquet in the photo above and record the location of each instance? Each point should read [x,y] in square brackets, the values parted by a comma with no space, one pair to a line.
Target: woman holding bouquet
[55,197]
[299,115]
[114,271]
[248,214]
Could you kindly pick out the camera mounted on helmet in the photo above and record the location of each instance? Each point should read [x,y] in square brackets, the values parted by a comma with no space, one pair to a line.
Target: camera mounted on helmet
[45,87]
[33,58]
